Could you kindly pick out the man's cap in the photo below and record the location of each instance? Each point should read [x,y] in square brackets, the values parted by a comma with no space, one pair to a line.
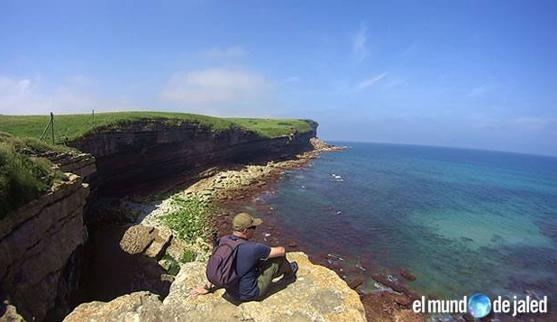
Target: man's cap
[244,220]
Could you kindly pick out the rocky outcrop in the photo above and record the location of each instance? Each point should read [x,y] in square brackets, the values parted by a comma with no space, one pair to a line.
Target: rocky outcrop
[137,154]
[138,306]
[36,243]
[317,295]
[82,164]
[8,313]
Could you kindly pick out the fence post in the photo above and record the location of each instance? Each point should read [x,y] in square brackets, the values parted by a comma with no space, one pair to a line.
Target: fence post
[52,126]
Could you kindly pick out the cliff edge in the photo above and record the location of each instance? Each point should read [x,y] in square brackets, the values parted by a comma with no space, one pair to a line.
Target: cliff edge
[317,295]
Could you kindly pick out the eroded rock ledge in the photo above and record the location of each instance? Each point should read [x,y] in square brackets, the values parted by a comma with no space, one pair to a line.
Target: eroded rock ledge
[317,295]
[36,244]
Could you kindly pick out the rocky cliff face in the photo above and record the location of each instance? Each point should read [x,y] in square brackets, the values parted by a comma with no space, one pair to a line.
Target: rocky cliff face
[142,152]
[36,244]
[317,295]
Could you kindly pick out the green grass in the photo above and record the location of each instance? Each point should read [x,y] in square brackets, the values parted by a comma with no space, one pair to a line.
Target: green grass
[188,256]
[23,176]
[72,126]
[273,127]
[173,265]
[189,219]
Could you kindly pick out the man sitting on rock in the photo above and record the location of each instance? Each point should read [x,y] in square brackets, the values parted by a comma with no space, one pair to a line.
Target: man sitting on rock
[256,264]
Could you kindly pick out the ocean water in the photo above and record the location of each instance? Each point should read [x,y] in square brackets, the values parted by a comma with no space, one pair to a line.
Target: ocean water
[463,221]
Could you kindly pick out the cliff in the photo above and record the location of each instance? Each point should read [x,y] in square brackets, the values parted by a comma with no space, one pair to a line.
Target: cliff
[42,244]
[37,243]
[138,153]
[318,294]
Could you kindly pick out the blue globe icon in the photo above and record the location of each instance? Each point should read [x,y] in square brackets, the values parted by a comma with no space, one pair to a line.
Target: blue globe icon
[479,305]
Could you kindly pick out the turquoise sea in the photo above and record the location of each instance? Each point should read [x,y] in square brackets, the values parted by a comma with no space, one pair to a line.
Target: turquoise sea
[463,221]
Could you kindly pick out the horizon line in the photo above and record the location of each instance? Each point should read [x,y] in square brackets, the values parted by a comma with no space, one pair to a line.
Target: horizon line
[443,146]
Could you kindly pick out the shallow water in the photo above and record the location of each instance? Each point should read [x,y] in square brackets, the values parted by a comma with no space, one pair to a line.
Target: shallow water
[462,221]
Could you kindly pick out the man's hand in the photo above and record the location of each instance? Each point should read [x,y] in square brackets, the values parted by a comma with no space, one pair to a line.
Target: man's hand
[201,290]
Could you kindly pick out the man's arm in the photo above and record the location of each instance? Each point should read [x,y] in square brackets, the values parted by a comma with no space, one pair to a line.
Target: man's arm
[277,252]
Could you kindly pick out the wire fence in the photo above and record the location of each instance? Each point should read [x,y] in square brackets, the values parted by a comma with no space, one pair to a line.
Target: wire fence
[49,133]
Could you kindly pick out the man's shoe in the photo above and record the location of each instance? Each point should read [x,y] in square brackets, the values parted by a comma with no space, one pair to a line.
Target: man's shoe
[294,267]
[290,277]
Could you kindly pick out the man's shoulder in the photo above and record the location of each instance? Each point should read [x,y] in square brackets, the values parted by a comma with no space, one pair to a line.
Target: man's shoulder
[254,247]
[252,243]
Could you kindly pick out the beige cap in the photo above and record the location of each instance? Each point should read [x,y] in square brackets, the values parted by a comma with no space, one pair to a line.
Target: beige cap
[244,221]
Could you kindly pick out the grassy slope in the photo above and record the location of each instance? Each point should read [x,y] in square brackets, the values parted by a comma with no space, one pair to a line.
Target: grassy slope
[73,126]
[22,176]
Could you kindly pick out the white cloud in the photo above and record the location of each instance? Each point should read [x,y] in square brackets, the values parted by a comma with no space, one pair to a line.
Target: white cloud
[28,96]
[218,53]
[218,89]
[359,40]
[367,83]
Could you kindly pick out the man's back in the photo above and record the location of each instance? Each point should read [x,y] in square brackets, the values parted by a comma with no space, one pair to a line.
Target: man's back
[249,255]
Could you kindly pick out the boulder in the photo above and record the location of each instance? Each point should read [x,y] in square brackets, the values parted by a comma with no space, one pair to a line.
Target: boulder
[137,238]
[138,306]
[145,239]
[317,295]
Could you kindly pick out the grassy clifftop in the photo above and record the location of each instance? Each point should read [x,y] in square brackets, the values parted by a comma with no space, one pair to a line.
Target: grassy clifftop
[75,125]
[23,175]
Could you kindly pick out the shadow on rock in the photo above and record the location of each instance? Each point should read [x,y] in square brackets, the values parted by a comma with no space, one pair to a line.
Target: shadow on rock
[112,272]
[275,287]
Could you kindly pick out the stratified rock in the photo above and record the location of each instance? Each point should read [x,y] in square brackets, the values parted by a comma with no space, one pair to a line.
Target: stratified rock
[139,152]
[138,306]
[82,164]
[36,242]
[317,295]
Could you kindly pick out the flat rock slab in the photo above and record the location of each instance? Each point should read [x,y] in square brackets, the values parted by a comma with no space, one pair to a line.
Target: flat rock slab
[317,295]
[137,238]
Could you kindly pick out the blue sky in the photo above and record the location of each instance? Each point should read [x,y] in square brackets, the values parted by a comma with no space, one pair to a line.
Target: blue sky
[480,74]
